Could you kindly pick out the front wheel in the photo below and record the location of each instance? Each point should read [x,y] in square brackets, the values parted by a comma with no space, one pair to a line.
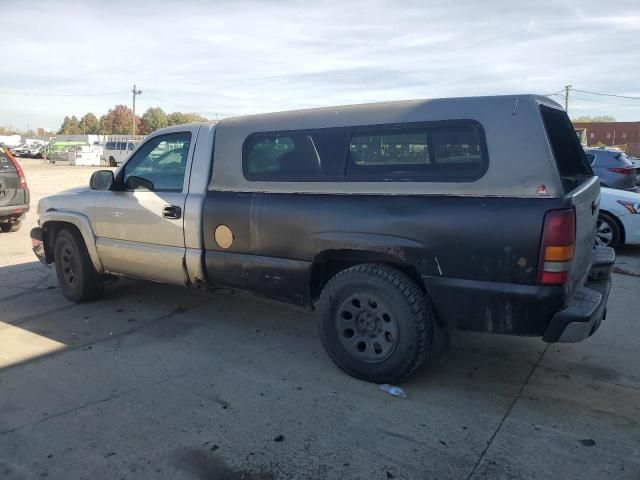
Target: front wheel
[375,323]
[77,277]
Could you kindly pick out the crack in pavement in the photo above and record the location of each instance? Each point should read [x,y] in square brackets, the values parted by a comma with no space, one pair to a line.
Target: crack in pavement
[94,402]
[507,413]
[35,316]
[69,349]
[586,377]
[27,290]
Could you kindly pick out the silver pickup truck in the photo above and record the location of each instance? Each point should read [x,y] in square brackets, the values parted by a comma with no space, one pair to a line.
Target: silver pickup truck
[396,221]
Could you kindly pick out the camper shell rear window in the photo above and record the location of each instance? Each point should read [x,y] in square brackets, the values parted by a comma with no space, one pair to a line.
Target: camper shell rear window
[568,153]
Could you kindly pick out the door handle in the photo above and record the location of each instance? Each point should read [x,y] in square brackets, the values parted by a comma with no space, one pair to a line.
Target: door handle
[172,212]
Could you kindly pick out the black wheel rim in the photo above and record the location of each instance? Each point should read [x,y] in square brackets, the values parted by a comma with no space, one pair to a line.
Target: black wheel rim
[68,264]
[366,328]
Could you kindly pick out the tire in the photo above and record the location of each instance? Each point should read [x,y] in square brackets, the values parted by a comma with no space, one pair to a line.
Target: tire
[10,227]
[375,323]
[608,232]
[77,278]
[112,162]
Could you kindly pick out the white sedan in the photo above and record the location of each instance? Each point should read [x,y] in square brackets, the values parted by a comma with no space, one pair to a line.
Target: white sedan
[619,218]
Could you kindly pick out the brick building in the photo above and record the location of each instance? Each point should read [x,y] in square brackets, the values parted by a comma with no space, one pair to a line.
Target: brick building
[625,135]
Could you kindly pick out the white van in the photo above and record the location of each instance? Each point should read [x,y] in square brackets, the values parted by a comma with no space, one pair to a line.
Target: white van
[115,152]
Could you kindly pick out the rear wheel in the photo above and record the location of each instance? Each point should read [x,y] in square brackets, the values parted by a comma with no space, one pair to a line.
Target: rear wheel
[375,323]
[607,231]
[78,279]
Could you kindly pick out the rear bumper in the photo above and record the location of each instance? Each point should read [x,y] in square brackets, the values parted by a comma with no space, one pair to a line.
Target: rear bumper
[527,310]
[37,244]
[587,305]
[13,211]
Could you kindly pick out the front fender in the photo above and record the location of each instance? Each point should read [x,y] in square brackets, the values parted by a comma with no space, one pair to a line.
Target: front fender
[82,223]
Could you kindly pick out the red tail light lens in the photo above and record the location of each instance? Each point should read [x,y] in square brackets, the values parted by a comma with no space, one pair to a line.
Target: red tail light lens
[558,241]
[624,171]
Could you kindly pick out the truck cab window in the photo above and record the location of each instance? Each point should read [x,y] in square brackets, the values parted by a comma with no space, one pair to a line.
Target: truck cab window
[160,161]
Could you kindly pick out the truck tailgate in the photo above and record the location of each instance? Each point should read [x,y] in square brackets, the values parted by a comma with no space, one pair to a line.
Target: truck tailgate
[586,201]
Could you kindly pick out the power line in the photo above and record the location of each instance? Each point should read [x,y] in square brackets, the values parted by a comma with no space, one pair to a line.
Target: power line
[194,110]
[170,102]
[39,94]
[606,94]
[604,102]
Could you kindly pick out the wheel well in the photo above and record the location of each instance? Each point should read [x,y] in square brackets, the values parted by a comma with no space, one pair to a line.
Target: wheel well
[329,263]
[51,230]
[618,223]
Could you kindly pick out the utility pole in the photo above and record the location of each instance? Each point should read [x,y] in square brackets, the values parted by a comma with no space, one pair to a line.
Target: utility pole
[135,92]
[566,97]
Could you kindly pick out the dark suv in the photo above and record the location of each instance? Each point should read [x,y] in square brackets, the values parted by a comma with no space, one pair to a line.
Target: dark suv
[14,194]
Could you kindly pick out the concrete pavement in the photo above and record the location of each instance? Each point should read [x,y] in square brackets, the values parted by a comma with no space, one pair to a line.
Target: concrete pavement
[155,381]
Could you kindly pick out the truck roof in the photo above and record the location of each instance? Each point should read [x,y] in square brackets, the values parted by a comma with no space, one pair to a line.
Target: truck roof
[344,115]
[520,156]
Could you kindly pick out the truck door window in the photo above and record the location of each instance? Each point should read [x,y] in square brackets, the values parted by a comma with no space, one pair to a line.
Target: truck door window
[162,161]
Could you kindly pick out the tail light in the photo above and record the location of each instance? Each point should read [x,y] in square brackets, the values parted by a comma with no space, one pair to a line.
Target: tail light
[23,180]
[623,170]
[558,243]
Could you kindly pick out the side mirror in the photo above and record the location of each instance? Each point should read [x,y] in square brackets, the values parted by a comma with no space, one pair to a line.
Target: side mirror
[101,180]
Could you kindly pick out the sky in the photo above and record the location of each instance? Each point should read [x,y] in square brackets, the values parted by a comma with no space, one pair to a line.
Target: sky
[228,58]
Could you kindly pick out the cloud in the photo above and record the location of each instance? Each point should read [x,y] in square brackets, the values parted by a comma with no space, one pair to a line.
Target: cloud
[256,56]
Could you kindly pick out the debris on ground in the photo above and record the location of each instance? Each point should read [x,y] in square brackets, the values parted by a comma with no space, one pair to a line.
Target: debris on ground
[394,391]
[279,438]
[588,442]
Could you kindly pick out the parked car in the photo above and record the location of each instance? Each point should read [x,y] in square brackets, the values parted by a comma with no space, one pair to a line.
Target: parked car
[396,222]
[19,150]
[613,167]
[636,164]
[14,194]
[619,218]
[34,151]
